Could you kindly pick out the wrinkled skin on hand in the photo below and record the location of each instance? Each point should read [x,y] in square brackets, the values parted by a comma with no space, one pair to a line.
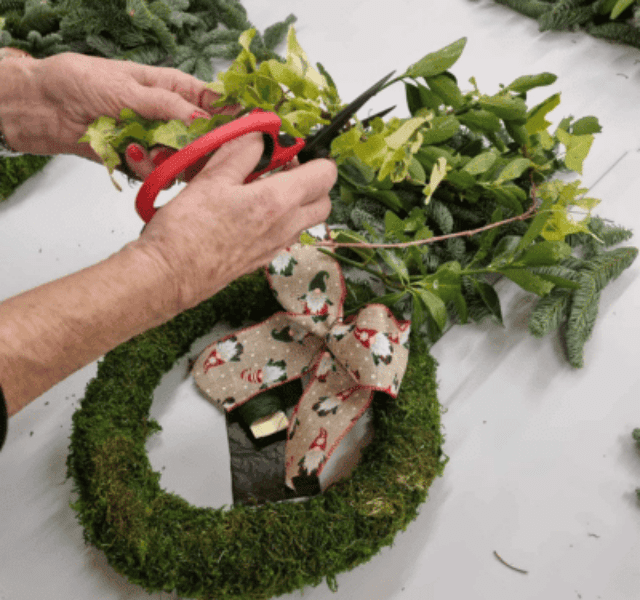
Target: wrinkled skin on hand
[218,228]
[55,99]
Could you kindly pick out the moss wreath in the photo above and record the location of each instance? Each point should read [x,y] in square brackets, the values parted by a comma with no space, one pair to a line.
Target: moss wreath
[161,542]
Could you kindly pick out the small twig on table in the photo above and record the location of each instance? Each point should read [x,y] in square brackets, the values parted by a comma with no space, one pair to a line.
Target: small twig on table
[506,564]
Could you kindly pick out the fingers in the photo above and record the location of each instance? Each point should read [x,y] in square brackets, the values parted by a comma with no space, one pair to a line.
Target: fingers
[235,161]
[142,162]
[308,216]
[305,183]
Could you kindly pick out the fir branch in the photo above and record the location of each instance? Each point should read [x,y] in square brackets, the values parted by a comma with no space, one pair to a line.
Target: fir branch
[531,8]
[610,233]
[233,14]
[144,19]
[441,215]
[7,5]
[274,35]
[616,32]
[102,45]
[566,14]
[582,316]
[550,312]
[609,265]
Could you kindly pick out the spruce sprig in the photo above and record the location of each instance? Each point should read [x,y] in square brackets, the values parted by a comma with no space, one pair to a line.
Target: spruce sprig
[185,34]
[616,20]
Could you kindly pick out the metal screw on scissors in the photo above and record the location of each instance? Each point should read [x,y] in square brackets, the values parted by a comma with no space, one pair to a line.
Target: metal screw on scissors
[280,148]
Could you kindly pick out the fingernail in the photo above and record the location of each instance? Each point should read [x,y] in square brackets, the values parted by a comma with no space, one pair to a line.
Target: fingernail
[161,156]
[134,153]
[199,115]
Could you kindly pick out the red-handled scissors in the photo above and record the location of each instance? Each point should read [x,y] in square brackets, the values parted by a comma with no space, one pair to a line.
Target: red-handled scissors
[280,148]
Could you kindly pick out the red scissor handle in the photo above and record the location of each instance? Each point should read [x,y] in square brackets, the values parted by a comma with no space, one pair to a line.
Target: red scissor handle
[257,120]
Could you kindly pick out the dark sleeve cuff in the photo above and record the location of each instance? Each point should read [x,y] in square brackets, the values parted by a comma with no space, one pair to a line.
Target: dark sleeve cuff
[4,419]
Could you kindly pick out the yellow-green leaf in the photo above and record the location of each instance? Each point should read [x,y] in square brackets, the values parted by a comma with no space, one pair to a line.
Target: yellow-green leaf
[99,135]
[481,163]
[438,173]
[446,89]
[620,7]
[505,107]
[435,306]
[577,146]
[400,137]
[372,151]
[441,129]
[437,62]
[528,82]
[513,170]
[298,61]
[536,116]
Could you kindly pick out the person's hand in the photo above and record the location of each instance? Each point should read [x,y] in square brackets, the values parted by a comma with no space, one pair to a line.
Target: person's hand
[52,108]
[218,228]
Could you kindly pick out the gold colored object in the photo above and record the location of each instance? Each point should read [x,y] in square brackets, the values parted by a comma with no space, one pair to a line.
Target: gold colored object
[269,425]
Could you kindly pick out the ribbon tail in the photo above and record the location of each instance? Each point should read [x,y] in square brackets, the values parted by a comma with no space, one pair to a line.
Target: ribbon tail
[327,411]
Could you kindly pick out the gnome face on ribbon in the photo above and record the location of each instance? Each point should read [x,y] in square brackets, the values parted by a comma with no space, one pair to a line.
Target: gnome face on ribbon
[315,301]
[315,457]
[377,342]
[290,333]
[224,351]
[325,366]
[338,332]
[319,232]
[402,337]
[274,371]
[282,264]
[326,405]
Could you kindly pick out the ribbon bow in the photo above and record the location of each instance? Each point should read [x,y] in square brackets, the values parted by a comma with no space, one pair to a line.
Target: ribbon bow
[348,359]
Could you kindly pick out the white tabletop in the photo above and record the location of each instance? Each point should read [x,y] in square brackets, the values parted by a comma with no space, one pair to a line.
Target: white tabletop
[542,466]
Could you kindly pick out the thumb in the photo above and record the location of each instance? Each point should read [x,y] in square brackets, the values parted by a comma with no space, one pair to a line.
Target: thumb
[235,160]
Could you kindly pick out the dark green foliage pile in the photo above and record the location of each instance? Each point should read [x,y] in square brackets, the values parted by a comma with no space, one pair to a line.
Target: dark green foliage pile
[615,20]
[185,34]
[15,170]
[159,541]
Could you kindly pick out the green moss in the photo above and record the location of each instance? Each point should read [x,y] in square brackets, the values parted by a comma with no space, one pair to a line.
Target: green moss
[161,542]
[16,170]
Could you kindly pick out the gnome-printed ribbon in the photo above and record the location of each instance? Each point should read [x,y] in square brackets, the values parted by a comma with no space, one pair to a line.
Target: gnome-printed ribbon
[348,359]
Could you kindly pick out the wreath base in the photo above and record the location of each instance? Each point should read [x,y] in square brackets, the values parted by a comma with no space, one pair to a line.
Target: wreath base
[161,542]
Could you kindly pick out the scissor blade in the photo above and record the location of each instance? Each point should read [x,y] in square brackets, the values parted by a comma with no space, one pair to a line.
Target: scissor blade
[318,144]
[366,122]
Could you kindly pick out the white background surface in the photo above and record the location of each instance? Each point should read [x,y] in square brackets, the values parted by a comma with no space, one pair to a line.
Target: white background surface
[542,466]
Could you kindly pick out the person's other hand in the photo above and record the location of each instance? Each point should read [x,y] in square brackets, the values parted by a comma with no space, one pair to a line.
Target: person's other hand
[66,92]
[218,228]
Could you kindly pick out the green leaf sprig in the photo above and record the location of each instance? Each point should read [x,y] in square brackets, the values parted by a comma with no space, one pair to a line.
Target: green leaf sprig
[436,206]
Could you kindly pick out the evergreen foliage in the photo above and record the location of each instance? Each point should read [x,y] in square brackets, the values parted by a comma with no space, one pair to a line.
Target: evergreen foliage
[15,170]
[615,21]
[187,34]
[159,541]
[577,308]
